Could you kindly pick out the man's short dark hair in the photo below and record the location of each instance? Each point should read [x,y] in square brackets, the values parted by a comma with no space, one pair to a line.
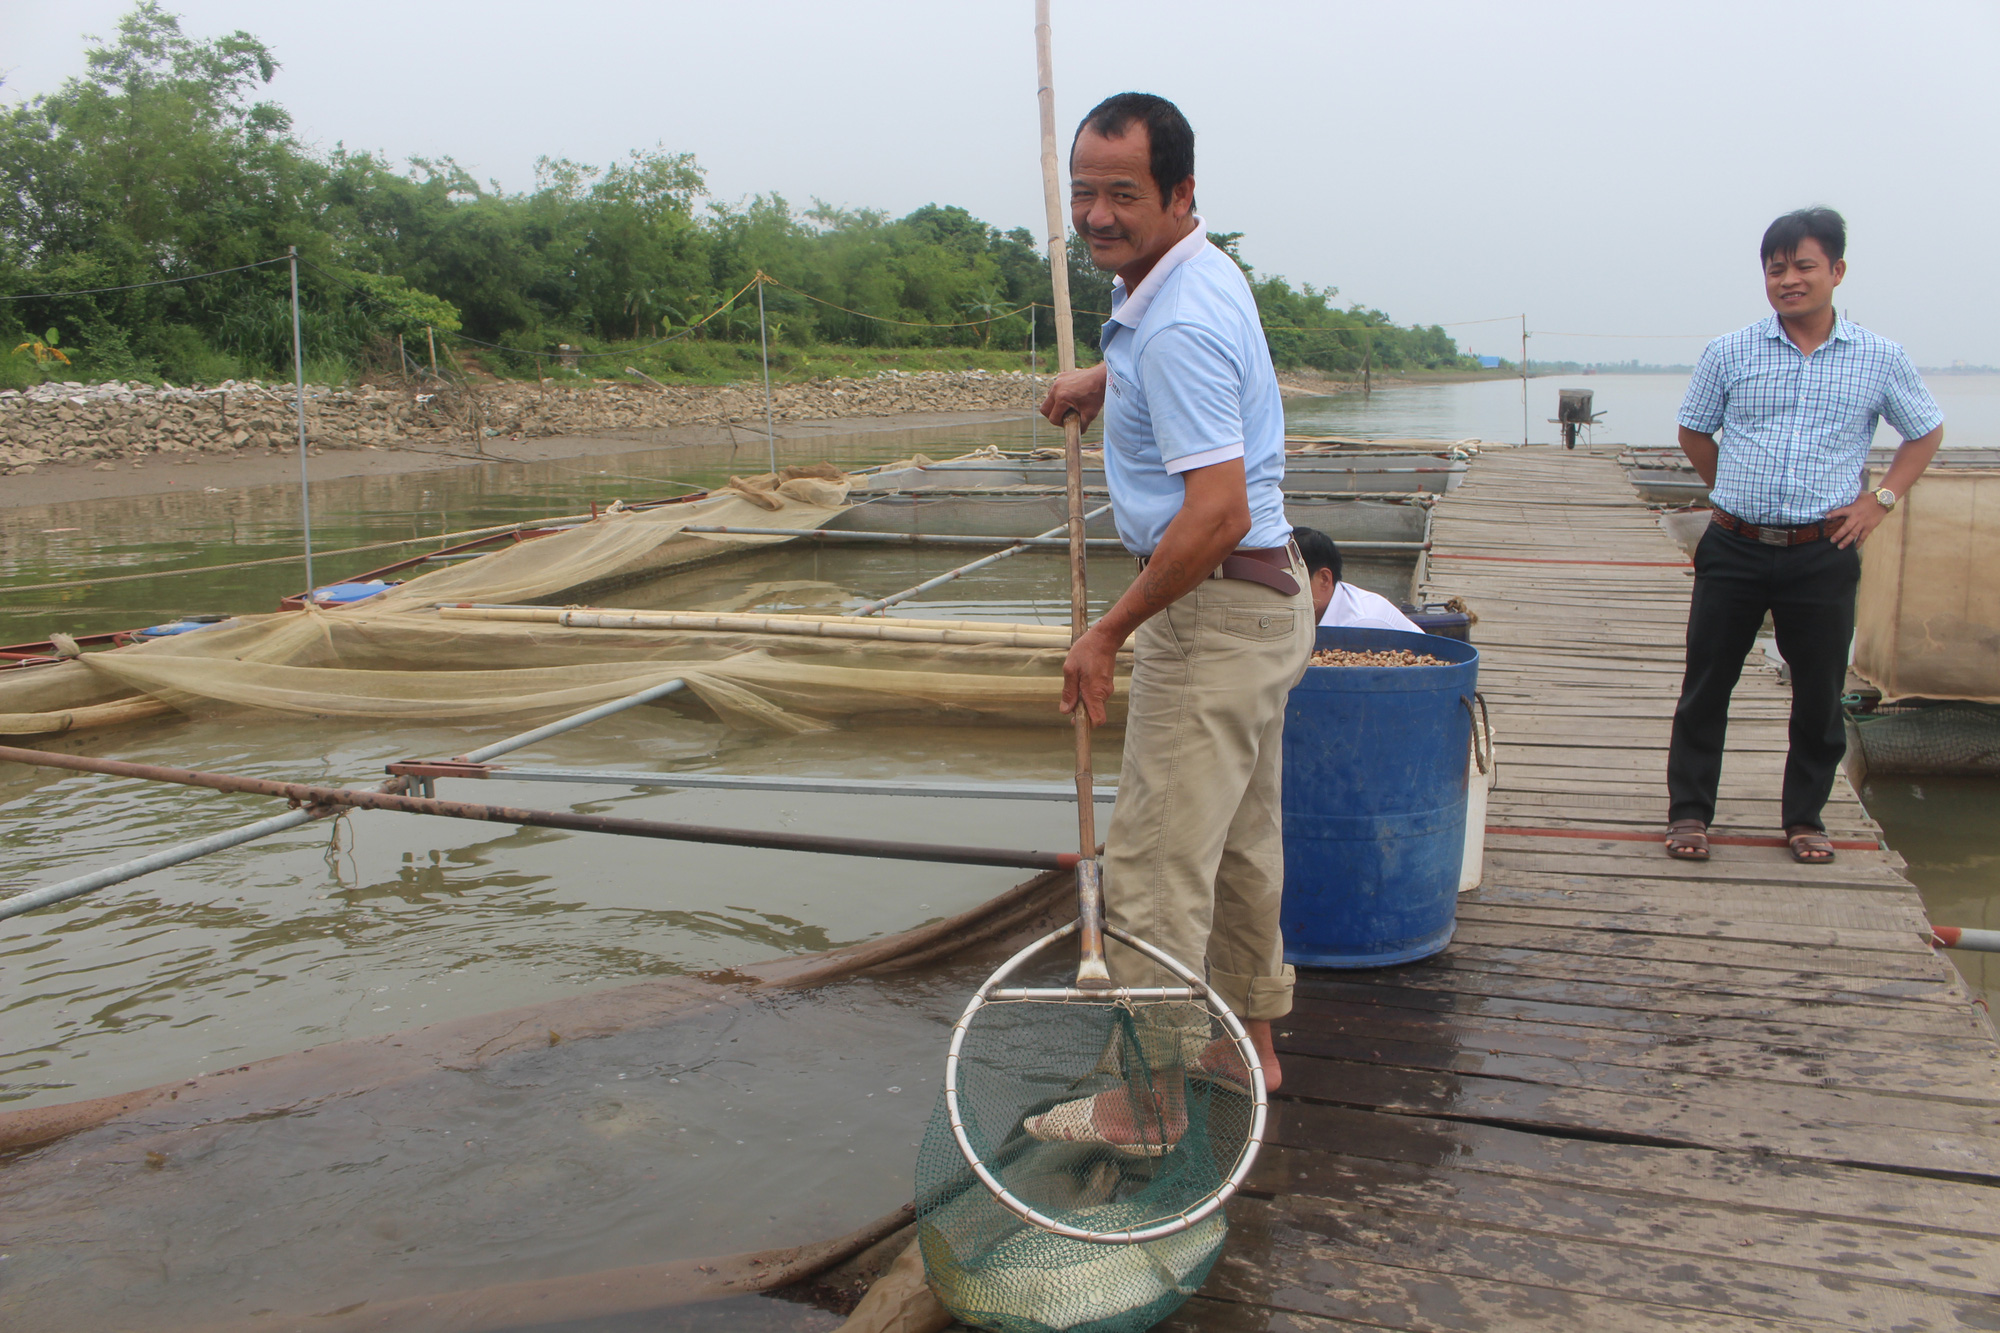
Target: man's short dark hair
[1821,224]
[1167,131]
[1318,550]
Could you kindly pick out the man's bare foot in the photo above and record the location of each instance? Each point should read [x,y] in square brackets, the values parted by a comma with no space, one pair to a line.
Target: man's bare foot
[1224,1064]
[1267,1054]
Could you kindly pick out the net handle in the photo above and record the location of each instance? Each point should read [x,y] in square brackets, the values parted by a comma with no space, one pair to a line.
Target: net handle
[1196,988]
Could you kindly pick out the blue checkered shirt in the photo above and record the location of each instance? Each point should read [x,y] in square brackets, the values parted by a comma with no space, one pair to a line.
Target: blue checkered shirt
[1795,429]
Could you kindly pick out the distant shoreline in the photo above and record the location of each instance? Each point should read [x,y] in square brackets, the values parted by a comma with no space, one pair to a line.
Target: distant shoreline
[75,481]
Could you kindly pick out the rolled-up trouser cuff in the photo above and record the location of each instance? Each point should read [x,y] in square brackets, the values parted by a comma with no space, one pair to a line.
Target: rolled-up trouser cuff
[1255,999]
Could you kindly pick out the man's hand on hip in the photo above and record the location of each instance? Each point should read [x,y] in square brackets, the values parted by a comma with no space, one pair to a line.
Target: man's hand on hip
[1078,391]
[1851,523]
[1087,674]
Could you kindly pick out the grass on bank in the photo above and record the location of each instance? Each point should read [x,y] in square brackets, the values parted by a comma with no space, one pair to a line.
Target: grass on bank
[688,362]
[710,362]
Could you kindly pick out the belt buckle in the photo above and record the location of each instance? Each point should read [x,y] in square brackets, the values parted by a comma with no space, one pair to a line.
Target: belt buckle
[1774,536]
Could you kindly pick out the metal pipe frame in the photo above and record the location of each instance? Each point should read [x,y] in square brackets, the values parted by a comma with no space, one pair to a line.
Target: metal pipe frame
[160,860]
[302,794]
[984,791]
[1043,542]
[1095,492]
[571,723]
[885,603]
[1006,465]
[898,538]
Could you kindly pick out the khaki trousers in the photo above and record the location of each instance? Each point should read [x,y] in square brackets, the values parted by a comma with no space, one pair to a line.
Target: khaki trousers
[1194,862]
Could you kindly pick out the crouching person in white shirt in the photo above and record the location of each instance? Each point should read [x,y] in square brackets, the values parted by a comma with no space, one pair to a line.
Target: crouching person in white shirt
[1337,603]
[1343,604]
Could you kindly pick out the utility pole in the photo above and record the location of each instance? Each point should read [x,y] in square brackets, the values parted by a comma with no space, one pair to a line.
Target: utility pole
[1524,379]
[299,385]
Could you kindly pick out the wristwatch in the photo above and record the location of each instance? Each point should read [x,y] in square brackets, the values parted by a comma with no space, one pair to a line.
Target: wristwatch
[1885,497]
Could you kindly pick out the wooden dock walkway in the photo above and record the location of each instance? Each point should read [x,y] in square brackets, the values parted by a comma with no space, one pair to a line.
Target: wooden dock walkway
[1633,1092]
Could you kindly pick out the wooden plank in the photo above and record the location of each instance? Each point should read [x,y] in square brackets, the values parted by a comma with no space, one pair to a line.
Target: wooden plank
[1678,988]
[1851,1128]
[1807,1025]
[1917,1204]
[1802,1245]
[1292,1276]
[1632,1090]
[1316,1234]
[1558,1053]
[1700,925]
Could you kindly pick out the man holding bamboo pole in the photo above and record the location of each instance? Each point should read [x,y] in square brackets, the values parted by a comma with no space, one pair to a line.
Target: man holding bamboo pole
[1194,457]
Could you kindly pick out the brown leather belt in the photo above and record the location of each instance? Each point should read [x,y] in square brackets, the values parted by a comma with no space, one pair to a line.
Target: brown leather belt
[1268,565]
[1770,534]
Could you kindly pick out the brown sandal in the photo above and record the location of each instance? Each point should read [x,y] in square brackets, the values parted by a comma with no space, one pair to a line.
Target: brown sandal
[1810,846]
[1687,840]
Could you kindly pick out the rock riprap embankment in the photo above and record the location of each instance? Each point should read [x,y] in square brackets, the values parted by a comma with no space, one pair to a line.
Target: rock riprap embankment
[105,422]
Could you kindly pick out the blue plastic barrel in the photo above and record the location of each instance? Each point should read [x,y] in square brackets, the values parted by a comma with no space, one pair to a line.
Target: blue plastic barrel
[1375,773]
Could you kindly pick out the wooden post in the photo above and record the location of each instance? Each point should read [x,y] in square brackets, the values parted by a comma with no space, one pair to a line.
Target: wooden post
[1091,972]
[431,336]
[299,388]
[764,351]
[1367,363]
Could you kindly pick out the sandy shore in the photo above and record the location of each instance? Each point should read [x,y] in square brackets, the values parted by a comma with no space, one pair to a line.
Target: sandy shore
[63,482]
[59,481]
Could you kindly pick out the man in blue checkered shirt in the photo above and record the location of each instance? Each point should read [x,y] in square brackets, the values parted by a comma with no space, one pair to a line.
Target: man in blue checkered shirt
[1777,420]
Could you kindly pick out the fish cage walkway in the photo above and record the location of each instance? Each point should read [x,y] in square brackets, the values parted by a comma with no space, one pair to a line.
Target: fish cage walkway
[1633,1092]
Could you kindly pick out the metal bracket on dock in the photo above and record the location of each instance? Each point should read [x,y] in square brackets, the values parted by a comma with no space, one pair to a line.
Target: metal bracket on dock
[437,768]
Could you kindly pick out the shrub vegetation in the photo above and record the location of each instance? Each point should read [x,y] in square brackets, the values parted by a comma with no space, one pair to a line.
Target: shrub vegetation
[165,160]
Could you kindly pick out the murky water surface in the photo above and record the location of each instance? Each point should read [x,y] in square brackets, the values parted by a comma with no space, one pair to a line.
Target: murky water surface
[751,1125]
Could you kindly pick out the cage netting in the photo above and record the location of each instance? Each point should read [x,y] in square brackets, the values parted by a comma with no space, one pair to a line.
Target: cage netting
[1946,739]
[1176,1104]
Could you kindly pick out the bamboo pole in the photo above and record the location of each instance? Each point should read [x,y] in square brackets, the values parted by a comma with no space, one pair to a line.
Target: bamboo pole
[1091,971]
[553,615]
[999,635]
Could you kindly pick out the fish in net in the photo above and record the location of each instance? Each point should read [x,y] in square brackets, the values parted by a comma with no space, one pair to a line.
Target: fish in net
[1073,1173]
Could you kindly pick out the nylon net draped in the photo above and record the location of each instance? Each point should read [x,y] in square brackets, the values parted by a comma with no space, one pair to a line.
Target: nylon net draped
[397,656]
[1172,1097]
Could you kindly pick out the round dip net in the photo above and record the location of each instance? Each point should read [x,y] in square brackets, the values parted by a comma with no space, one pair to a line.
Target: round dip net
[1075,1167]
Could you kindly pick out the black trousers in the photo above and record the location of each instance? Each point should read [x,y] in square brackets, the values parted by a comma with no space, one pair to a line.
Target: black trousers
[1809,592]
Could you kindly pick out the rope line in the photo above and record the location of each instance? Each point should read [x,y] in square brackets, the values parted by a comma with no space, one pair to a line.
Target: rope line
[906,323]
[133,287]
[1555,333]
[524,351]
[273,560]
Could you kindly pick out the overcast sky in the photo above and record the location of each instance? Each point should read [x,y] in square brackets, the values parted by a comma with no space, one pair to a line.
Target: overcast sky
[1604,167]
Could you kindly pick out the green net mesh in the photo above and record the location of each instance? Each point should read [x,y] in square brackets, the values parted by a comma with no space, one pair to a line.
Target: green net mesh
[1947,739]
[1175,1100]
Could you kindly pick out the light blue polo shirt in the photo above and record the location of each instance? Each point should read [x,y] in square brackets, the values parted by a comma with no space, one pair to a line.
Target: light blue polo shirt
[1189,384]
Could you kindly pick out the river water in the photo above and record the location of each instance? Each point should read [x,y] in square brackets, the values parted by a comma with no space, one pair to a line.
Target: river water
[764,1125]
